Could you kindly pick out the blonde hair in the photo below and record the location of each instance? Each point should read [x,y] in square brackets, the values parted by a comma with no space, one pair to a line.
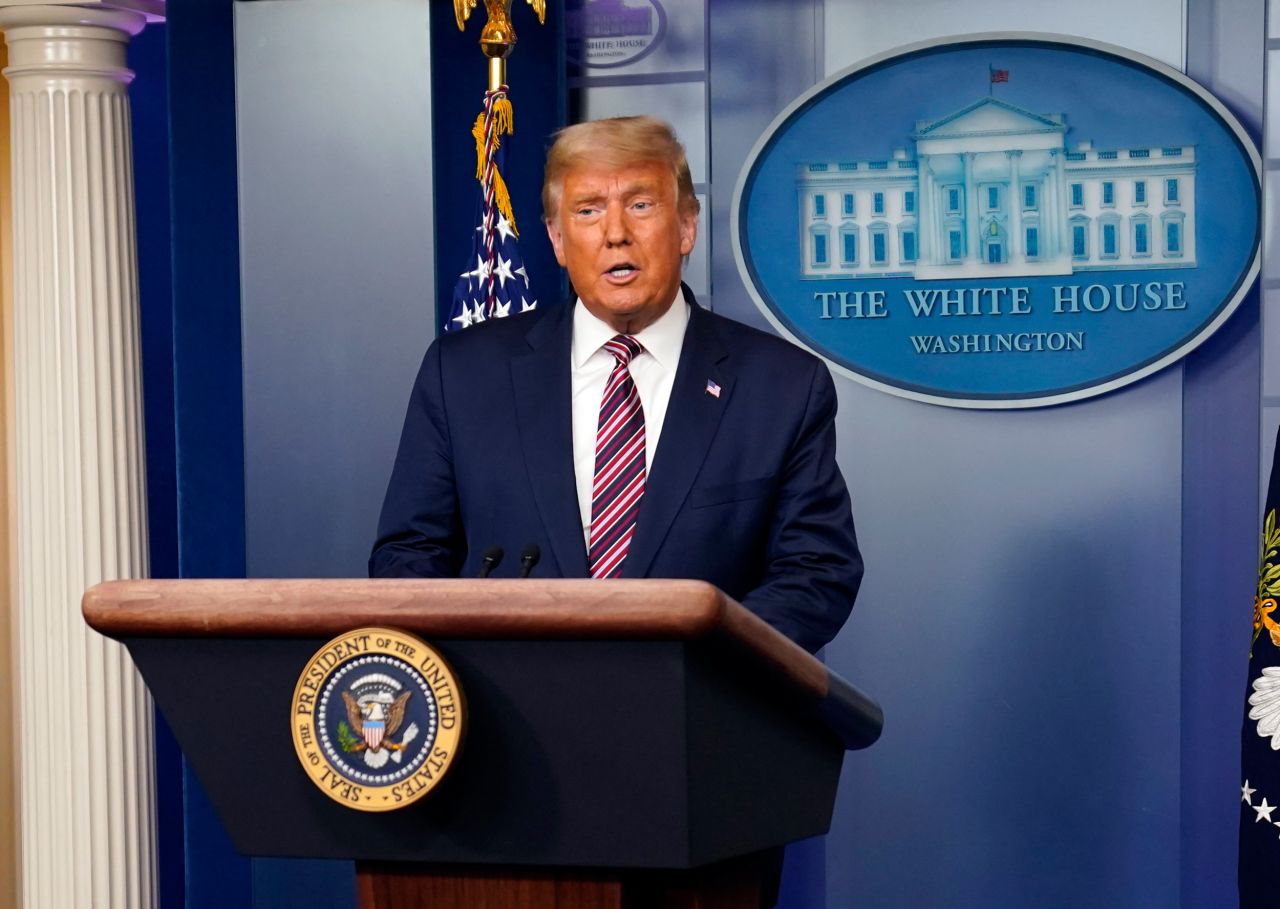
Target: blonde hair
[616,142]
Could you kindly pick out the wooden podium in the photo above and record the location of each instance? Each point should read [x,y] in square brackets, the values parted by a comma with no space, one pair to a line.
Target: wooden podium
[629,744]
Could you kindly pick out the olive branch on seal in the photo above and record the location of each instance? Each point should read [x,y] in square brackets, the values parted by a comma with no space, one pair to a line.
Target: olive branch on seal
[348,740]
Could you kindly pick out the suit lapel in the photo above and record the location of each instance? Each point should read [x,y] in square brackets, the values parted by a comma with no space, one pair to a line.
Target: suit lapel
[693,415]
[543,395]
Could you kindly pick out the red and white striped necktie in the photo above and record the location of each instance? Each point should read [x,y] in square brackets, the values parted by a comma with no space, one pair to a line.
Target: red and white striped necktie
[620,472]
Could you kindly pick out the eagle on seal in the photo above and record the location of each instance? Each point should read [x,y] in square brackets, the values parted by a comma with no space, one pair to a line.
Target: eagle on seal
[376,720]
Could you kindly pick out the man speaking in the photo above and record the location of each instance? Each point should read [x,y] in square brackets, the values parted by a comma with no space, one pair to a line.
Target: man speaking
[629,433]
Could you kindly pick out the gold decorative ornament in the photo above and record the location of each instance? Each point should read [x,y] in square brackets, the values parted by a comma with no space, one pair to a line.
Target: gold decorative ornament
[498,37]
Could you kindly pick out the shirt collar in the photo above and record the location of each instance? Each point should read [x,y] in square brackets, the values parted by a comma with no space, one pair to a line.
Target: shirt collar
[663,339]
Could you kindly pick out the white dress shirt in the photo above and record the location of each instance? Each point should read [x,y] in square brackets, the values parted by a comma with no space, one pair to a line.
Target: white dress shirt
[653,370]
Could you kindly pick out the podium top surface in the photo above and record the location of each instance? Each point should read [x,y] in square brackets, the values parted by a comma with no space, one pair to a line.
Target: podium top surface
[509,609]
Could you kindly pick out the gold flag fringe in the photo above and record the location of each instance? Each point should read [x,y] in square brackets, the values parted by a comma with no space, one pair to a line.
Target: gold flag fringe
[503,122]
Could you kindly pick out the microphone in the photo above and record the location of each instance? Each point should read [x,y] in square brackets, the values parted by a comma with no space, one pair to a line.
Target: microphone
[529,558]
[489,561]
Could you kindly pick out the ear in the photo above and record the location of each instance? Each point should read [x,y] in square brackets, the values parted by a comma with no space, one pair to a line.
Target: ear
[688,232]
[557,240]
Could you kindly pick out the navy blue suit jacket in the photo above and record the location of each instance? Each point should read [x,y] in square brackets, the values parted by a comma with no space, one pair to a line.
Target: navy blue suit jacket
[744,491]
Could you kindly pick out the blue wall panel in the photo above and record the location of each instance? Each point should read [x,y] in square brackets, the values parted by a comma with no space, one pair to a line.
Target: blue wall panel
[336,217]
[1020,622]
[761,56]
[149,100]
[1219,545]
[1221,404]
[206,366]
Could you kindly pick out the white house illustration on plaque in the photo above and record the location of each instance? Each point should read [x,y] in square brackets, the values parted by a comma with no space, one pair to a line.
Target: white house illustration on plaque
[992,191]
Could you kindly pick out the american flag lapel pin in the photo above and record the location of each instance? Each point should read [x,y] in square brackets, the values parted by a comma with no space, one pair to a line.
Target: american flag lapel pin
[713,389]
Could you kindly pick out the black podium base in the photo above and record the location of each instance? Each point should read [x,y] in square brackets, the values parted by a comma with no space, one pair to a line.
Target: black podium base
[592,754]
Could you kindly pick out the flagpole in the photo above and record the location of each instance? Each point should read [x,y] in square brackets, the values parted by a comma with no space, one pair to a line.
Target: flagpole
[492,102]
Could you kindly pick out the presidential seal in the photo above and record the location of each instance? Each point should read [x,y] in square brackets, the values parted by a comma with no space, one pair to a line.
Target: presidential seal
[377,719]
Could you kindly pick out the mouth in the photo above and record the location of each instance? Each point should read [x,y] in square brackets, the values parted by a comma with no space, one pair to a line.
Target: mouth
[621,273]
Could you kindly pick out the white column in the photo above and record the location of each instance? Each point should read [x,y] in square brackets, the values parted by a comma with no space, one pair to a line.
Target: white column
[1015,207]
[1048,208]
[924,212]
[84,737]
[941,242]
[1061,206]
[973,253]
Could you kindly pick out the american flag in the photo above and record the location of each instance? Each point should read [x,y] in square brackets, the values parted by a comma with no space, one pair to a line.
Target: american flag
[494,283]
[998,75]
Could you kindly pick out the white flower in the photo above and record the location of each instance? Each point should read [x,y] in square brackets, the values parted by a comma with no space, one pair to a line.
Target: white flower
[1266,704]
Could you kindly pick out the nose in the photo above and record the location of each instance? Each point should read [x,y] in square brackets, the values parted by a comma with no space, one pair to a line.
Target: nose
[616,232]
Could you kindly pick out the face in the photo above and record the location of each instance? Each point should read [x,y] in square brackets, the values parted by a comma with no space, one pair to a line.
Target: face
[621,236]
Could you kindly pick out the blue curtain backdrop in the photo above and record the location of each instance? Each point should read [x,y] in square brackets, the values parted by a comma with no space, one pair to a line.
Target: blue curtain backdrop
[184,162]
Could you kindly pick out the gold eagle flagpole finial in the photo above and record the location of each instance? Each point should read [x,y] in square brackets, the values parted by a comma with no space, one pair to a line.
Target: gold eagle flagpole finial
[498,37]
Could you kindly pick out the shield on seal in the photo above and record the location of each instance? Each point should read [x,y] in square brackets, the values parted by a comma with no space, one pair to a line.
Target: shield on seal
[373,731]
[374,708]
